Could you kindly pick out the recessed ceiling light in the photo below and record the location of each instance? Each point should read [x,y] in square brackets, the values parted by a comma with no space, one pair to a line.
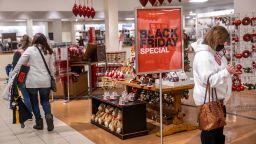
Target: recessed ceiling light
[192,14]
[20,20]
[197,1]
[188,17]
[129,18]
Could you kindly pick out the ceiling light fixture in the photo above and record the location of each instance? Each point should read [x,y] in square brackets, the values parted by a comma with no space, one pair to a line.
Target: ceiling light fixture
[192,14]
[129,18]
[188,17]
[197,1]
[20,20]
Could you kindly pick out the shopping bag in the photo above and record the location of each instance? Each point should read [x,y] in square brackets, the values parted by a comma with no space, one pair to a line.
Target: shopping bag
[7,90]
[20,111]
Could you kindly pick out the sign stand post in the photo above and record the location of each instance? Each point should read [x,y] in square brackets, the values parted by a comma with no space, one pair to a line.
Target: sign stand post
[161,107]
[159,46]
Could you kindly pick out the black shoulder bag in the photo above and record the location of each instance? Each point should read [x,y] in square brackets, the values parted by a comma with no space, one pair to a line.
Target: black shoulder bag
[53,82]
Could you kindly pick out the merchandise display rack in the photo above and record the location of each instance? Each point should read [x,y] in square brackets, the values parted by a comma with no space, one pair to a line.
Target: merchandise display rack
[244,52]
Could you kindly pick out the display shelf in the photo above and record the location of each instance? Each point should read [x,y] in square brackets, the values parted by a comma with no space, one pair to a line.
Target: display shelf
[154,88]
[133,117]
[172,113]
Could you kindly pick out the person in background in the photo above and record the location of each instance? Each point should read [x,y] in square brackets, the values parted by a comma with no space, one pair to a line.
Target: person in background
[38,78]
[210,60]
[25,42]
[185,40]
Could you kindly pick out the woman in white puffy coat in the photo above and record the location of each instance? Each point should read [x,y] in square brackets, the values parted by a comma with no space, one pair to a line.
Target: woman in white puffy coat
[210,60]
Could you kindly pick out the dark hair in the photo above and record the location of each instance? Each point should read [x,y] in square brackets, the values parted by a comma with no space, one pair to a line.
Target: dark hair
[40,39]
[25,41]
[215,36]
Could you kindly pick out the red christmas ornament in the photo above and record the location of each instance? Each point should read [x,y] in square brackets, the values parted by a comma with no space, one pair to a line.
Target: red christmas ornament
[247,37]
[237,22]
[80,10]
[242,88]
[75,9]
[143,2]
[236,39]
[170,1]
[152,2]
[238,66]
[238,56]
[238,71]
[161,2]
[84,11]
[88,12]
[233,88]
[93,12]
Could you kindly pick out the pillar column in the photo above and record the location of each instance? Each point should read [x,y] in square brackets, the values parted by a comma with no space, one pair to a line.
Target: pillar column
[111,25]
[57,30]
[30,28]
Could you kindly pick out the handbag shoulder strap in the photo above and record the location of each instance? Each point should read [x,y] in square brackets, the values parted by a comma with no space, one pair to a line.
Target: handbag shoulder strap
[207,88]
[44,62]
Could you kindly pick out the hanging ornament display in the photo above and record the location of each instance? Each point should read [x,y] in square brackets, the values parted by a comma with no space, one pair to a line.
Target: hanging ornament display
[83,10]
[143,2]
[152,2]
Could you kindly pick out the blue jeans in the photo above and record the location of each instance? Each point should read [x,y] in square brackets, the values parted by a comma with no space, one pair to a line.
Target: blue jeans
[26,97]
[44,99]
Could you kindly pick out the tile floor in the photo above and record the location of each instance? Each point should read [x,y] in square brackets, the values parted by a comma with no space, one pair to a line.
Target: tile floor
[14,134]
[72,125]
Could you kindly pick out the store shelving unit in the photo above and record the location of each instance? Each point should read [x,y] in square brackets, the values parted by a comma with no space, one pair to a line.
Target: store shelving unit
[133,117]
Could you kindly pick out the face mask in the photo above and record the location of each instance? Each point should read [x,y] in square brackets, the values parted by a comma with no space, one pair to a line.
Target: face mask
[219,48]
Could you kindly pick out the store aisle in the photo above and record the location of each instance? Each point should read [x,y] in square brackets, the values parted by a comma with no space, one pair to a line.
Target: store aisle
[13,134]
[241,129]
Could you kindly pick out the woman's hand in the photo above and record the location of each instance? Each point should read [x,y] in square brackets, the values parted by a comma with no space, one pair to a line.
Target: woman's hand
[231,69]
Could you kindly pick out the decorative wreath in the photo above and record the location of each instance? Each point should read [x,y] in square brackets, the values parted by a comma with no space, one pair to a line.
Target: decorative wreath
[246,21]
[247,37]
[246,53]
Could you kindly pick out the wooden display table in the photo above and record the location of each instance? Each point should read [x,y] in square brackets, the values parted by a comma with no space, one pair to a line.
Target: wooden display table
[133,117]
[176,124]
[75,88]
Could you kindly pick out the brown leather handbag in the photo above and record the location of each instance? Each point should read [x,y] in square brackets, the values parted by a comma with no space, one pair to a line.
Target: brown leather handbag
[211,115]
